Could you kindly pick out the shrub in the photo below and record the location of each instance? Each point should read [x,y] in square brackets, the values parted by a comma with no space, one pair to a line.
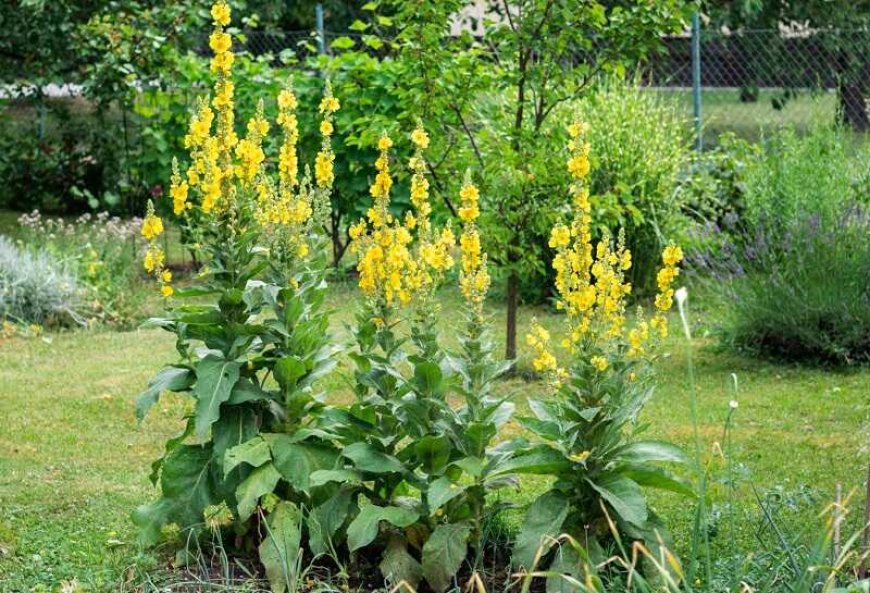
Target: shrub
[102,250]
[793,269]
[34,286]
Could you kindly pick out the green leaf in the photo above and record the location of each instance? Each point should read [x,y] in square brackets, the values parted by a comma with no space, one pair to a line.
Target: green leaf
[342,43]
[443,554]
[428,379]
[652,477]
[280,550]
[442,491]
[215,378]
[297,461]
[358,25]
[398,565]
[255,453]
[342,476]
[188,485]
[624,496]
[327,519]
[259,482]
[169,379]
[433,453]
[543,520]
[288,371]
[643,451]
[245,391]
[537,460]
[369,459]
[364,528]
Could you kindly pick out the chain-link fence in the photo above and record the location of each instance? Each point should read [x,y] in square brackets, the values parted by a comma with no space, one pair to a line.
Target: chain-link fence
[756,81]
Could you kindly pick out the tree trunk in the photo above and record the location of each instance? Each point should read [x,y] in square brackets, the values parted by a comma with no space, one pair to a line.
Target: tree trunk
[853,106]
[513,302]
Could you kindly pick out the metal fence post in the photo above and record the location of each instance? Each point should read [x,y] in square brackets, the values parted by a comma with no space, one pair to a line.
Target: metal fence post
[321,32]
[696,79]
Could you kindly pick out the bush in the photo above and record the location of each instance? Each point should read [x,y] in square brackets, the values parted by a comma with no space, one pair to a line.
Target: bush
[101,250]
[34,286]
[794,267]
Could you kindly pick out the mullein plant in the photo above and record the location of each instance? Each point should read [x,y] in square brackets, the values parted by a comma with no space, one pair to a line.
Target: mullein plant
[256,339]
[586,423]
[416,468]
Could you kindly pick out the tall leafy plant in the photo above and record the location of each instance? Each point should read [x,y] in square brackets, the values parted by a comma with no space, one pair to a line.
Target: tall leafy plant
[255,340]
[588,445]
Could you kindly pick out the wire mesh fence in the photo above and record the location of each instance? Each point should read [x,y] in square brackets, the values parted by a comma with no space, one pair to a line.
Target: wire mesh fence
[755,81]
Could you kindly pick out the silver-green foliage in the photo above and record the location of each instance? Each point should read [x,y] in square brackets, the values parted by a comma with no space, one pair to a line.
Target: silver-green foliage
[34,286]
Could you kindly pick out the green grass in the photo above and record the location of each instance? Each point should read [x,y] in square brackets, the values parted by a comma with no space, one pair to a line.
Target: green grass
[74,463]
[722,111]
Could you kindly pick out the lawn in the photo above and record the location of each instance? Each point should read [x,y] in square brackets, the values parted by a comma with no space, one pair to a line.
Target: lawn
[722,111]
[74,463]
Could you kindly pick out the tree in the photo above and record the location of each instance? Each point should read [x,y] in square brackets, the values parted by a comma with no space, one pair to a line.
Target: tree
[842,28]
[489,79]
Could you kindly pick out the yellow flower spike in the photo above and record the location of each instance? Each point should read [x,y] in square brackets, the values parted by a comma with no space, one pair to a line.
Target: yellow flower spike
[324,163]
[474,279]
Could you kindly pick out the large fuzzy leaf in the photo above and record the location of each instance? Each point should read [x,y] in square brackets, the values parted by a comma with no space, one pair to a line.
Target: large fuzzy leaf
[215,378]
[325,520]
[189,483]
[652,477]
[169,379]
[259,482]
[538,460]
[624,496]
[398,565]
[280,550]
[364,528]
[444,553]
[543,521]
[368,459]
[644,451]
[297,461]
[442,491]
[254,452]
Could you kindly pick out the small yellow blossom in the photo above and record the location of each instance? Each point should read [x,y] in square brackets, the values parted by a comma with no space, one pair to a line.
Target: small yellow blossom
[220,13]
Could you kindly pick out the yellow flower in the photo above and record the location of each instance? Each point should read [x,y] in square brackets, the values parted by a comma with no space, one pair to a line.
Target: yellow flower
[152,226]
[599,362]
[220,42]
[672,255]
[384,143]
[222,62]
[326,127]
[357,230]
[166,290]
[420,138]
[468,213]
[220,12]
[166,276]
[287,100]
[580,457]
[469,192]
[329,104]
[578,166]
[560,236]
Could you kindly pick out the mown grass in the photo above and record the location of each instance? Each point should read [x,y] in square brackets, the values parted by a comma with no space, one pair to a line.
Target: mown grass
[74,463]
